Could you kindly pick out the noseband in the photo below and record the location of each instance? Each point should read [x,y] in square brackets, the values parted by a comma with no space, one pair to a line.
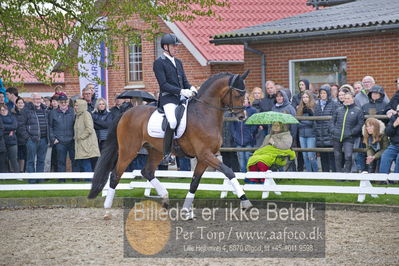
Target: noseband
[230,107]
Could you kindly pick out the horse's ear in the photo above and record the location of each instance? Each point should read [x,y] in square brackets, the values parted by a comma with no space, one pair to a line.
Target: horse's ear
[245,74]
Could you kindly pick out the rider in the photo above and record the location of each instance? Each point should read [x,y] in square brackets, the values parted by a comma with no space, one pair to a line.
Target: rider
[173,83]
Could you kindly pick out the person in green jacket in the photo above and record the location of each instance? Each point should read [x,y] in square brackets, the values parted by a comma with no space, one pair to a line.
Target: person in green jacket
[275,147]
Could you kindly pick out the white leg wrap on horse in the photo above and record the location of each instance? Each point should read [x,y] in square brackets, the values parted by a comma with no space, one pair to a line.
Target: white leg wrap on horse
[237,187]
[161,190]
[188,202]
[110,198]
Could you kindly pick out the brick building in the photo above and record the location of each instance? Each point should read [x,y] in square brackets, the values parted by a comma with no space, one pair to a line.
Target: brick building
[201,59]
[337,44]
[31,84]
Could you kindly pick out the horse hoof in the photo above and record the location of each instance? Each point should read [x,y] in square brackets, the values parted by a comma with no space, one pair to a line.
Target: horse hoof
[165,202]
[246,205]
[188,215]
[107,216]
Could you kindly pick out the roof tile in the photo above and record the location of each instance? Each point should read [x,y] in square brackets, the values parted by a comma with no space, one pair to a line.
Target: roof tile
[239,15]
[357,14]
[26,77]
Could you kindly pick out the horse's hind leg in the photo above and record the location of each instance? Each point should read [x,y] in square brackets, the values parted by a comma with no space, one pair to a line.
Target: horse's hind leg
[125,156]
[211,160]
[153,159]
[110,194]
[188,202]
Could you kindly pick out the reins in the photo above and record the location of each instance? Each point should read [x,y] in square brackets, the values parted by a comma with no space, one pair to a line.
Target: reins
[229,107]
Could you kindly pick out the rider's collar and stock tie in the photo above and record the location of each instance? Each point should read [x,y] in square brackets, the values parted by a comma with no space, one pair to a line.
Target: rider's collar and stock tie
[229,107]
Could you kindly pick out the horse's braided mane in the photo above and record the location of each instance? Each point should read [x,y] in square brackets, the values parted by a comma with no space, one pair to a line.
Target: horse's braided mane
[211,80]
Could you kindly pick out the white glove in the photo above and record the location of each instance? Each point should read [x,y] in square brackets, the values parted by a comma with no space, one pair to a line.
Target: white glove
[186,93]
[194,90]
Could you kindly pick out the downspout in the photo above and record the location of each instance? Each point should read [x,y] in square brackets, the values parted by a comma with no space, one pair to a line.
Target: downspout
[262,62]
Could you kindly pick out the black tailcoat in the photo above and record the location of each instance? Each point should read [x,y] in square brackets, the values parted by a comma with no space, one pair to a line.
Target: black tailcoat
[171,79]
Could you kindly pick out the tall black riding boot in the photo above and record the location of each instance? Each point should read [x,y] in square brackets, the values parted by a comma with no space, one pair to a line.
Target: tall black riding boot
[167,146]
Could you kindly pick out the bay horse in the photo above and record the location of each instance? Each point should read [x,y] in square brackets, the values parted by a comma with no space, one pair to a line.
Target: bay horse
[202,140]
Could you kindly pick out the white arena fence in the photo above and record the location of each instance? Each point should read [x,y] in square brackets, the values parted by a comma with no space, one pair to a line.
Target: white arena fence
[365,187]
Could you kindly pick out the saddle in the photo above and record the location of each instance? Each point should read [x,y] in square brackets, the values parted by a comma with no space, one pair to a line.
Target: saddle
[157,123]
[179,112]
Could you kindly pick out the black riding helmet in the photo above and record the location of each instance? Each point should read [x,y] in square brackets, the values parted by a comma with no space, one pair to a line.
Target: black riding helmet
[169,38]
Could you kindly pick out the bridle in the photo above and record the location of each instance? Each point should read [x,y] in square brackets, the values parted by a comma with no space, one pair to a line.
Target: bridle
[230,107]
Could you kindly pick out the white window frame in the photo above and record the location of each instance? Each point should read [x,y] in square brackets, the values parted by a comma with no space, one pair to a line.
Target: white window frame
[293,61]
[128,65]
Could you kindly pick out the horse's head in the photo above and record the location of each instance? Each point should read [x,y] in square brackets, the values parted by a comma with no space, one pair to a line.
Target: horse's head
[233,99]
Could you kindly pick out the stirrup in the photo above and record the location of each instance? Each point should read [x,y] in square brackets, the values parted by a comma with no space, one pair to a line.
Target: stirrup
[168,160]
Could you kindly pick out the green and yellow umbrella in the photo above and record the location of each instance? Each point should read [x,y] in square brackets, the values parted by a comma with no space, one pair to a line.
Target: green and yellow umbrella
[271,117]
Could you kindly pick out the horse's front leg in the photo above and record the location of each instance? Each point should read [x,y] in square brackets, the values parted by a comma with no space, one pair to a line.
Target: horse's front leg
[188,202]
[211,160]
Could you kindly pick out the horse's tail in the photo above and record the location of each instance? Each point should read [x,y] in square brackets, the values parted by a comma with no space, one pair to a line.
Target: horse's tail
[107,161]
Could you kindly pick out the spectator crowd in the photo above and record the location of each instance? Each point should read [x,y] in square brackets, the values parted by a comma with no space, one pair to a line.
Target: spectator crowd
[38,135]
[347,129]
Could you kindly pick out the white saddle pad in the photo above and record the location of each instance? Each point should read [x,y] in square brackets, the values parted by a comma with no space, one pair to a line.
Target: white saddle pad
[154,128]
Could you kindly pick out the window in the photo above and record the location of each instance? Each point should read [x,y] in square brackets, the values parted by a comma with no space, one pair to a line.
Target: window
[135,63]
[318,71]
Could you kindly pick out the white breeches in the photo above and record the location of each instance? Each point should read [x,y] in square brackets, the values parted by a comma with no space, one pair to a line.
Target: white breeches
[169,109]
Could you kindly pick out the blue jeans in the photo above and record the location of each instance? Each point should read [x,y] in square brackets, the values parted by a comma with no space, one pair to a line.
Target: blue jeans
[310,158]
[140,161]
[388,156]
[183,163]
[243,157]
[35,149]
[85,165]
[360,157]
[62,149]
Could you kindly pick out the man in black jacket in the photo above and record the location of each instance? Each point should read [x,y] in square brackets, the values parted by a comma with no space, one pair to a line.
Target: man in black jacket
[346,125]
[38,131]
[269,100]
[376,104]
[173,83]
[61,121]
[116,110]
[393,103]
[392,152]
